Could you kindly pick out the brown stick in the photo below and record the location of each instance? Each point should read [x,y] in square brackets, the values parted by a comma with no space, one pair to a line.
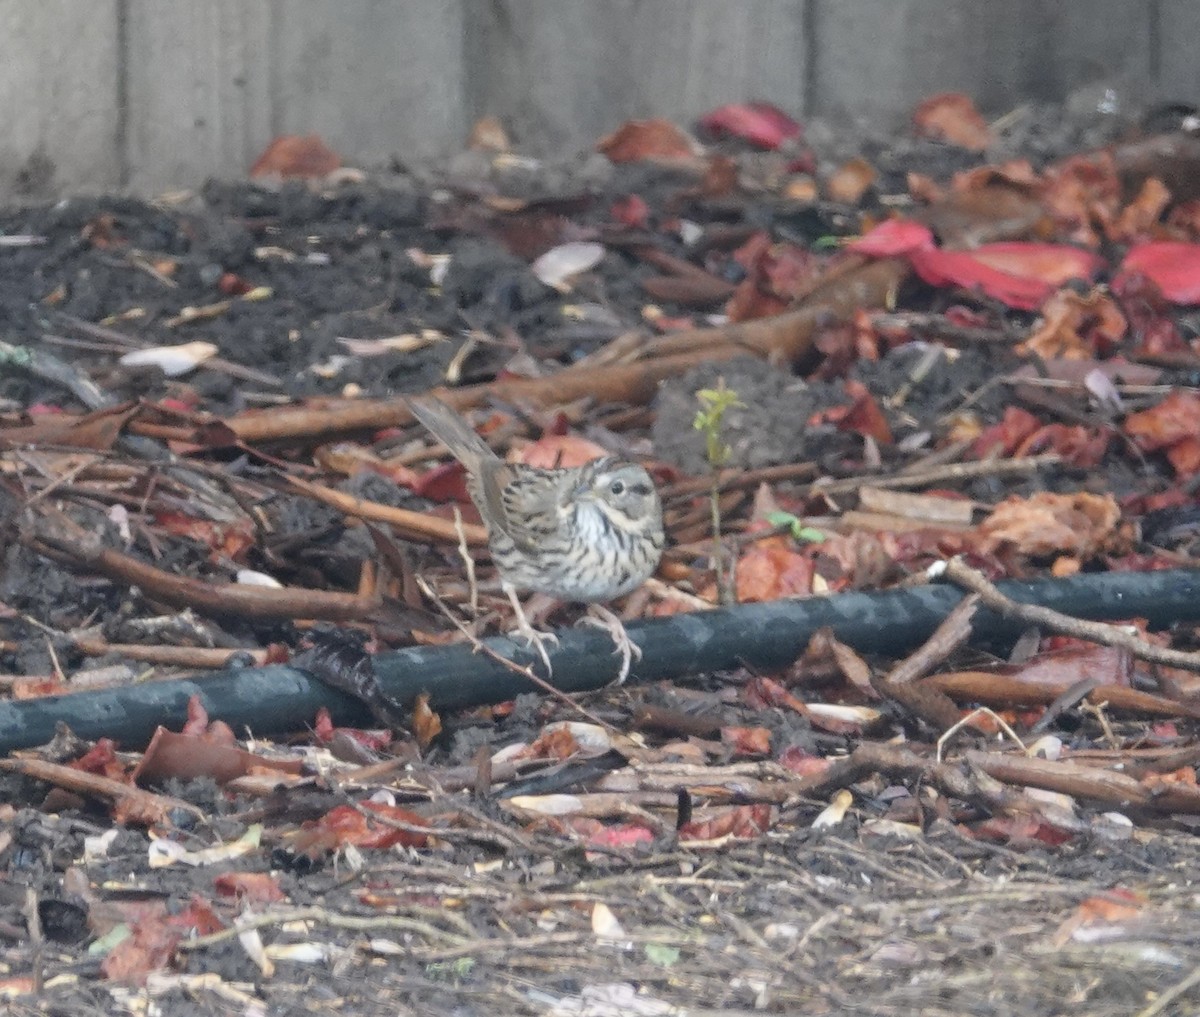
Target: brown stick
[1002,691]
[130,804]
[208,599]
[1090,782]
[175,656]
[409,524]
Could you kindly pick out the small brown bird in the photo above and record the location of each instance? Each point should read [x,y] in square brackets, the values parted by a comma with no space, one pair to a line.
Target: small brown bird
[589,533]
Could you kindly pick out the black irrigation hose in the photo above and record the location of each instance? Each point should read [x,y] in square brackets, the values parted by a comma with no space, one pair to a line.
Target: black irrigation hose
[277,699]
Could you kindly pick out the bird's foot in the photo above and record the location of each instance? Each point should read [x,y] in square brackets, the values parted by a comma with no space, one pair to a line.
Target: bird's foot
[534,639]
[601,617]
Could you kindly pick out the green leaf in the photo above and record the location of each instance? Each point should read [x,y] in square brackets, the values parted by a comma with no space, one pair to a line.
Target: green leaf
[663,956]
[800,533]
[450,971]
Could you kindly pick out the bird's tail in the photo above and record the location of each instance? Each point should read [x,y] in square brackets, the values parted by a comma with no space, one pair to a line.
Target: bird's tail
[452,430]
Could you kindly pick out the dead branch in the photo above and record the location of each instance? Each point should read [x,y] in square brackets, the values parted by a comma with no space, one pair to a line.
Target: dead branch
[209,599]
[419,525]
[963,575]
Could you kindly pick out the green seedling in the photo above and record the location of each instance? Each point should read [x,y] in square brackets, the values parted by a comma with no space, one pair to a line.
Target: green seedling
[714,404]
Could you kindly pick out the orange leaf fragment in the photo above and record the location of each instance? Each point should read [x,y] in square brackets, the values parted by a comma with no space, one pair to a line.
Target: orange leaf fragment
[560,450]
[1172,425]
[849,182]
[345,824]
[654,140]
[742,822]
[293,155]
[1076,326]
[771,568]
[952,117]
[747,741]
[260,887]
[426,723]
[1050,524]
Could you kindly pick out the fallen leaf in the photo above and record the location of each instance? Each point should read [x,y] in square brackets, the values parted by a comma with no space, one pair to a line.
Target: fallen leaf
[1173,425]
[1046,523]
[742,822]
[552,451]
[1076,326]
[1174,267]
[96,431]
[559,266]
[952,117]
[652,140]
[747,741]
[604,922]
[835,811]
[260,887]
[346,825]
[426,723]
[1143,212]
[631,211]
[760,123]
[850,181]
[893,237]
[772,568]
[292,155]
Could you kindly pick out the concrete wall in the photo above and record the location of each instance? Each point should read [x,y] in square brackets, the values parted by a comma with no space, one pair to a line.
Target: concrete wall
[154,94]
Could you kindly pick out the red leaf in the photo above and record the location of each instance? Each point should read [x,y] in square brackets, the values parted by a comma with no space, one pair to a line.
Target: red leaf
[101,759]
[565,450]
[1022,831]
[447,482]
[893,237]
[962,268]
[631,211]
[345,824]
[759,123]
[621,836]
[864,415]
[771,568]
[1173,267]
[1052,263]
[1007,436]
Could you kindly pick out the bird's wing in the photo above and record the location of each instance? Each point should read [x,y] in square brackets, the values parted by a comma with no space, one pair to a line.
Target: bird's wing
[529,502]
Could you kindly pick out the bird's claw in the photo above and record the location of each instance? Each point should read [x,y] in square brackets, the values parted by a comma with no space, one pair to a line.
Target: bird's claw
[536,641]
[533,638]
[629,651]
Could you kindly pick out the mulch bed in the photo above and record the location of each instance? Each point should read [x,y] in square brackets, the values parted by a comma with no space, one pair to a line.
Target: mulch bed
[969,343]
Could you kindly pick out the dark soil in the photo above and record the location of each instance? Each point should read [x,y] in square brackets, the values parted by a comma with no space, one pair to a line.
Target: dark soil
[500,915]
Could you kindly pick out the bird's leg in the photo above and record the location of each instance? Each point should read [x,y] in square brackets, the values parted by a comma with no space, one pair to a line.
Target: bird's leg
[603,618]
[536,640]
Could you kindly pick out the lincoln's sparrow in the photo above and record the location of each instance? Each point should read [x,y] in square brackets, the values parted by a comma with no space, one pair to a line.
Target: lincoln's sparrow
[589,533]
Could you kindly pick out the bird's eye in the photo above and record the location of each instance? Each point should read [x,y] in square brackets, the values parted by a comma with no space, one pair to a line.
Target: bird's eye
[618,487]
